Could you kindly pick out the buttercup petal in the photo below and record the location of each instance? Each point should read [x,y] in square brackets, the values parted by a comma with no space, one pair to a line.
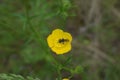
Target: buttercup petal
[62,50]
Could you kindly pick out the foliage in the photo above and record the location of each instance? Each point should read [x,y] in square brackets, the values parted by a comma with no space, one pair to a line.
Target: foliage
[26,24]
[15,77]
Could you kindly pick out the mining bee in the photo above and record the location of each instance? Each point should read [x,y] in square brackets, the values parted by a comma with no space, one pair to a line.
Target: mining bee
[63,40]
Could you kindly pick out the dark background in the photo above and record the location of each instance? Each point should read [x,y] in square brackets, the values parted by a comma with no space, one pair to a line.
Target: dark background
[94,25]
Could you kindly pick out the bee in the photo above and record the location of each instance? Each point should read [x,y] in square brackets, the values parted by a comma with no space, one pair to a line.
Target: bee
[63,40]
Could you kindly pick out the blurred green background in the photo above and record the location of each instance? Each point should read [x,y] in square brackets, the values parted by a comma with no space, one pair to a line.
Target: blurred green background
[94,25]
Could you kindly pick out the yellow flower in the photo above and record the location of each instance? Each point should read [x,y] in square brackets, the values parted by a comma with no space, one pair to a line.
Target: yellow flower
[65,79]
[59,41]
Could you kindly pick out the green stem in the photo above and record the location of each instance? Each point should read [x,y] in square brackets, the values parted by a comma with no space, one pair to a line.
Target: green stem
[38,36]
[59,72]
